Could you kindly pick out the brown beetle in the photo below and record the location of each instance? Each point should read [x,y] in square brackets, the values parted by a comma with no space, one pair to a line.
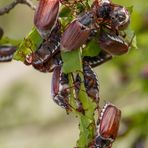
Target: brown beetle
[91,83]
[103,13]
[6,53]
[45,58]
[46,16]
[115,16]
[109,121]
[60,89]
[76,34]
[113,44]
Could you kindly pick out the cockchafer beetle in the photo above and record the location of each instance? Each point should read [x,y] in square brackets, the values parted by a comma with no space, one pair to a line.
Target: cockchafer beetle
[103,13]
[77,32]
[6,52]
[115,16]
[95,61]
[109,121]
[60,89]
[113,44]
[91,83]
[46,16]
[1,32]
[47,53]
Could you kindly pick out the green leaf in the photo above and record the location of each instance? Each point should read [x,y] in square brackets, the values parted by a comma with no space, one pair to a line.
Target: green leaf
[72,61]
[28,45]
[84,132]
[81,7]
[131,37]
[89,3]
[64,12]
[130,9]
[134,42]
[9,41]
[92,49]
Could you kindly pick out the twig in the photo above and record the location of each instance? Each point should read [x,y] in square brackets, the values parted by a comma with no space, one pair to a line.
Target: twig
[10,6]
[29,3]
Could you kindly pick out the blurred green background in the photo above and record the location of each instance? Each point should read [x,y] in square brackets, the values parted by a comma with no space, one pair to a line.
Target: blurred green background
[30,119]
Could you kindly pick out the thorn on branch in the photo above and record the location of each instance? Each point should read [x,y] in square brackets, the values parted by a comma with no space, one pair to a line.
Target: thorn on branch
[10,6]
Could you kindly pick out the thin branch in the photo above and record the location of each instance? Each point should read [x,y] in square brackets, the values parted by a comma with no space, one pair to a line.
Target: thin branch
[29,3]
[10,6]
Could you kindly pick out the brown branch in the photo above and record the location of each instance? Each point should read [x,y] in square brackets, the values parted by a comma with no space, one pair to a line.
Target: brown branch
[10,6]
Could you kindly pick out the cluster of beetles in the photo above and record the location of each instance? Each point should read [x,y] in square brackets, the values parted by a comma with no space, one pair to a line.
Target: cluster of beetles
[103,20]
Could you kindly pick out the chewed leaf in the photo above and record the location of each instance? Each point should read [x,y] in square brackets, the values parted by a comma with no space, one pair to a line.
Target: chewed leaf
[130,36]
[84,132]
[134,42]
[28,45]
[92,49]
[72,61]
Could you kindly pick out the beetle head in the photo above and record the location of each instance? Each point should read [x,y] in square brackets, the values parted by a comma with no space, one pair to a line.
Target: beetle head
[103,143]
[120,18]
